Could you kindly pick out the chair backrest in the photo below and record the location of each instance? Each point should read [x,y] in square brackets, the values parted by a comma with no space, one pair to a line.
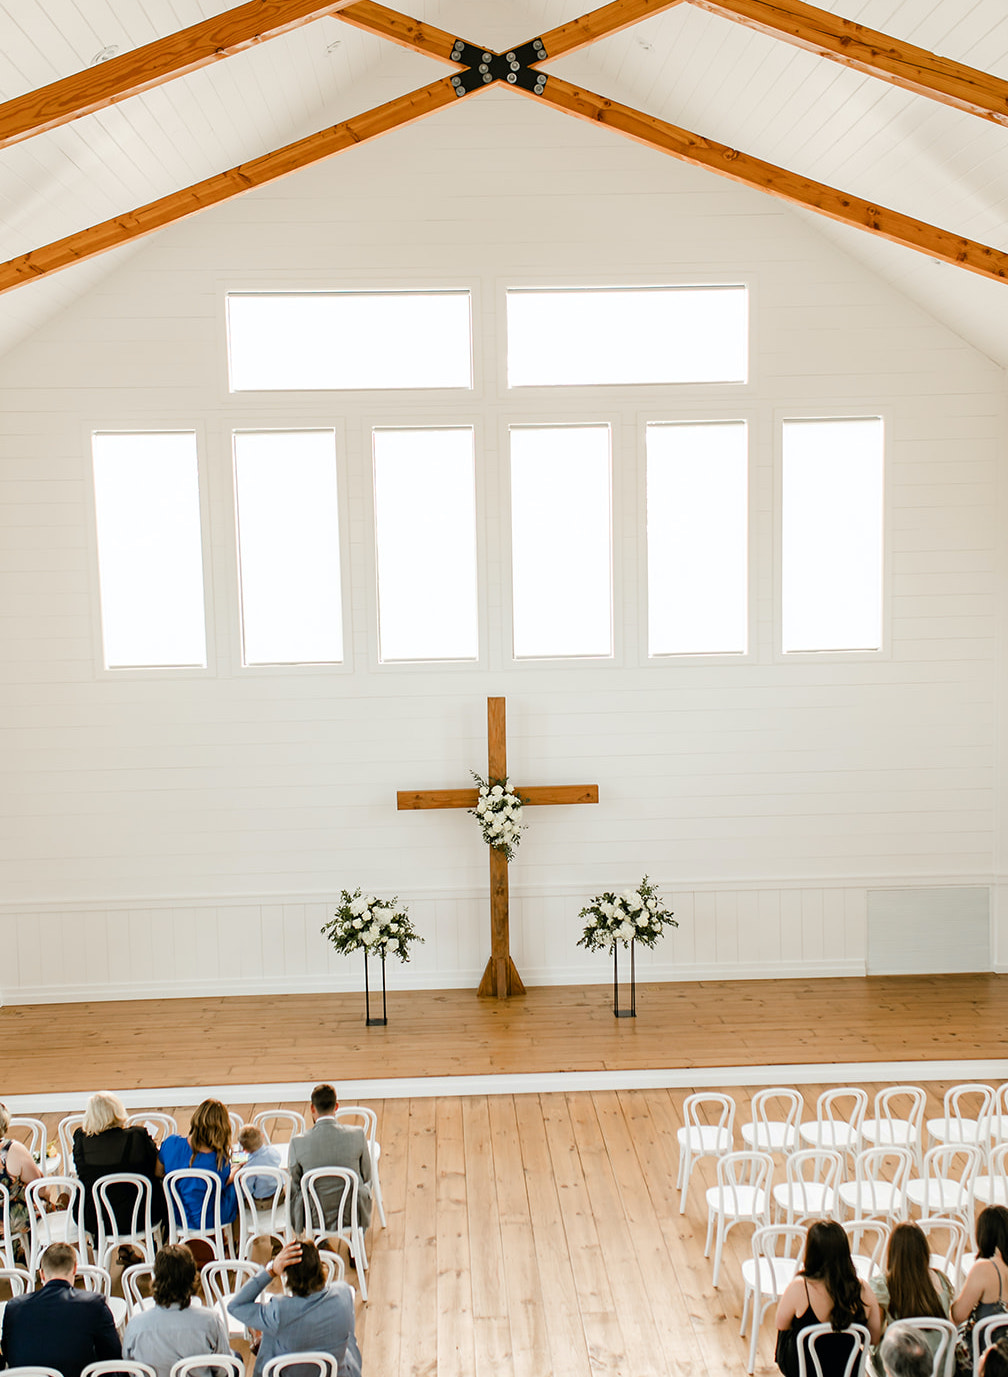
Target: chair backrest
[65,1225]
[343,1188]
[868,1240]
[65,1130]
[260,1216]
[739,1172]
[814,1166]
[134,1293]
[110,1366]
[968,1104]
[237,1124]
[216,1279]
[709,1109]
[94,1278]
[33,1134]
[955,1161]
[202,1189]
[276,1367]
[947,1239]
[943,1350]
[219,1362]
[32,1372]
[985,1332]
[158,1124]
[885,1166]
[17,1279]
[361,1115]
[335,1269]
[813,1340]
[843,1106]
[293,1118]
[6,1241]
[776,1114]
[112,1191]
[779,1241]
[902,1103]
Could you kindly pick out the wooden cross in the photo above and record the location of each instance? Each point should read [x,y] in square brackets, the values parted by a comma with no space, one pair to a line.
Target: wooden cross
[500,977]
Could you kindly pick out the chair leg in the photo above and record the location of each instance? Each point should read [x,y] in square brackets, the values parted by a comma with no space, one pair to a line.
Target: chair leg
[685,1171]
[718,1246]
[710,1232]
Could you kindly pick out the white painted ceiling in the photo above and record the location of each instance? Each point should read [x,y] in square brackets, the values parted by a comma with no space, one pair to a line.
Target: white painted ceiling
[688,67]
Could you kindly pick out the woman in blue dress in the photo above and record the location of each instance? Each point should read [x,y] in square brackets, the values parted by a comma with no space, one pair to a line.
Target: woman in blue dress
[207,1147]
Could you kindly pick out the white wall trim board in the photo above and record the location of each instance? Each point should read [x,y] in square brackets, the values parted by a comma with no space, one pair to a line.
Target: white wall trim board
[545,1083]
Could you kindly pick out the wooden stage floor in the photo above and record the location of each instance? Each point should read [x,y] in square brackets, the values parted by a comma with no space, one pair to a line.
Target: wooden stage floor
[132,1045]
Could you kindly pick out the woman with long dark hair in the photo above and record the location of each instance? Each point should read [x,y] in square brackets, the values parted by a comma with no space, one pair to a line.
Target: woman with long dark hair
[826,1290]
[985,1290]
[911,1287]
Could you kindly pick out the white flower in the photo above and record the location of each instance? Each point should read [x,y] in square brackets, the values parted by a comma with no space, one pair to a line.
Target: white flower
[358,906]
[358,922]
[641,920]
[497,791]
[626,930]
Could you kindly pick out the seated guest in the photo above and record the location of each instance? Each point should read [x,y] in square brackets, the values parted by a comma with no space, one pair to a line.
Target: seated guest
[175,1328]
[911,1287]
[17,1170]
[329,1144]
[994,1360]
[986,1285]
[261,1153]
[905,1352]
[103,1145]
[59,1327]
[207,1147]
[826,1290]
[313,1318]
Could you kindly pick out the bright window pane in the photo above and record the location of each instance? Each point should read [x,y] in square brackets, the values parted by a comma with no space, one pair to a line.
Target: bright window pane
[312,340]
[425,522]
[288,547]
[697,538]
[561,540]
[621,335]
[150,556]
[832,534]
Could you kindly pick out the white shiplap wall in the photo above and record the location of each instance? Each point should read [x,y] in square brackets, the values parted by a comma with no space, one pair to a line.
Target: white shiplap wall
[180,832]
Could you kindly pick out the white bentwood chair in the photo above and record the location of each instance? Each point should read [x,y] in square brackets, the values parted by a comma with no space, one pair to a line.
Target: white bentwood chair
[840,1113]
[943,1353]
[699,1139]
[774,1133]
[55,1226]
[226,1363]
[945,1185]
[208,1226]
[345,1203]
[809,1189]
[776,1255]
[816,1336]
[141,1230]
[986,1332]
[221,1280]
[109,1367]
[278,1367]
[260,1217]
[363,1117]
[158,1124]
[742,1195]
[947,1239]
[958,1125]
[897,1119]
[878,1190]
[868,1239]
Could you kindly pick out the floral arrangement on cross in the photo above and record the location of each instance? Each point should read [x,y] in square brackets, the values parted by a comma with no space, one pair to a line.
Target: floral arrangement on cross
[363,922]
[636,915]
[499,813]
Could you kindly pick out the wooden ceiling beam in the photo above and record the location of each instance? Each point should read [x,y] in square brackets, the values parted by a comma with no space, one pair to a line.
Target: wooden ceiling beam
[89,243]
[399,28]
[600,23]
[140,70]
[776,181]
[877,54]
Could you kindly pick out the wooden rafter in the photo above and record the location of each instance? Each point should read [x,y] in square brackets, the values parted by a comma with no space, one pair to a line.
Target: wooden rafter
[154,64]
[815,29]
[88,243]
[841,40]
[777,181]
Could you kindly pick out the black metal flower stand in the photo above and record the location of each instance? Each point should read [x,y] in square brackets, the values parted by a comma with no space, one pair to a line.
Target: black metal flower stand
[370,1022]
[617,1011]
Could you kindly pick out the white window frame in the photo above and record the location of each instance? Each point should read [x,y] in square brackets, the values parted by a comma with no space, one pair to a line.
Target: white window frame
[131,424]
[830,411]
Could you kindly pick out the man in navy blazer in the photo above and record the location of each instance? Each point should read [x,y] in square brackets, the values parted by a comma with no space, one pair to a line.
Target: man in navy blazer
[59,1327]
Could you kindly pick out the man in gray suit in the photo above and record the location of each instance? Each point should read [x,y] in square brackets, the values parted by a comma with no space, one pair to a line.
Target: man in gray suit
[329,1144]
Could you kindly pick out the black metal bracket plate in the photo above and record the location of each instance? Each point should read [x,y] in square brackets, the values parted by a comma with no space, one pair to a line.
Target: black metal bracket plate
[483,68]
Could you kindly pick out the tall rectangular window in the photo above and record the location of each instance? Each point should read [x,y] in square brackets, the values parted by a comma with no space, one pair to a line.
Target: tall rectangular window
[697,538]
[590,336]
[425,527]
[150,554]
[561,540]
[303,341]
[832,527]
[288,547]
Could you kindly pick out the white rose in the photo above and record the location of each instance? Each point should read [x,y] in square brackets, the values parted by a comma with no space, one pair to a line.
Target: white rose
[626,930]
[608,910]
[496,791]
[641,920]
[358,922]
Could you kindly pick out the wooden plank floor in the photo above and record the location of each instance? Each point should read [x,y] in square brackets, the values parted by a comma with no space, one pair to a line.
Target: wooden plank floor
[262,1039]
[538,1235]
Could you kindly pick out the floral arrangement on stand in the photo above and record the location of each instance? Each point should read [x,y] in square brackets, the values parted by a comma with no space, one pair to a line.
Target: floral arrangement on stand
[499,813]
[636,915]
[363,922]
